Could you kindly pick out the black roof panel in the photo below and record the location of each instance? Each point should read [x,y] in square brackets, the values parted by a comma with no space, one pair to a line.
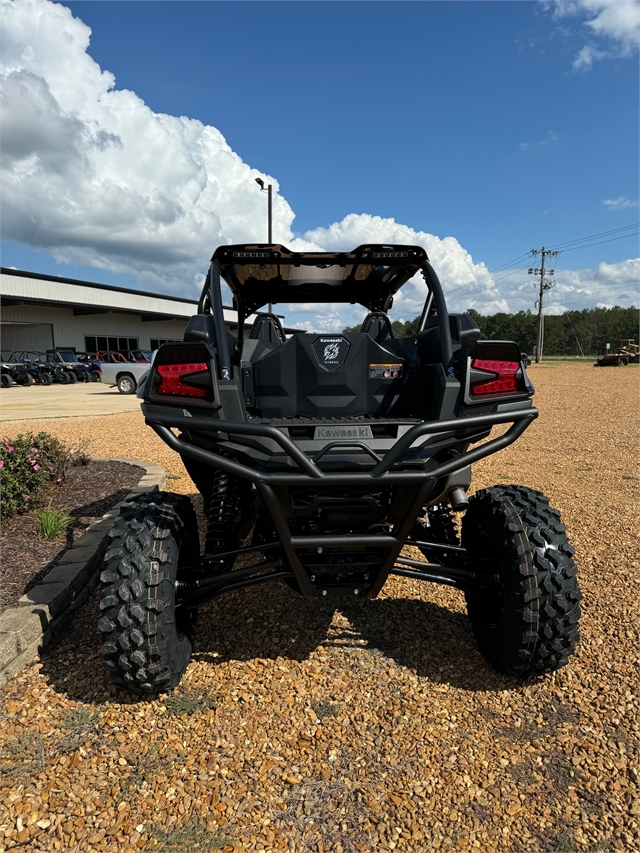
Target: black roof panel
[369,275]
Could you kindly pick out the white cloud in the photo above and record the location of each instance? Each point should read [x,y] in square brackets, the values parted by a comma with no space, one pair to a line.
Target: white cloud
[90,173]
[573,290]
[616,22]
[549,137]
[94,176]
[586,57]
[620,203]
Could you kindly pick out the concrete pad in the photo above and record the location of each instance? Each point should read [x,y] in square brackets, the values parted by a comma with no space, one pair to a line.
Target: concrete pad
[64,401]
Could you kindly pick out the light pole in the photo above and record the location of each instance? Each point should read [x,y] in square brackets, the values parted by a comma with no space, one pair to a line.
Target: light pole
[269,191]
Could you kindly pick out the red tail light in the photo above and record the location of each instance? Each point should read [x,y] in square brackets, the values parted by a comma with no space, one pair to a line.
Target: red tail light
[171,376]
[503,378]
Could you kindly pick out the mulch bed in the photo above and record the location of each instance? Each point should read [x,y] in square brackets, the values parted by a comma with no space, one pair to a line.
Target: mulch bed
[87,493]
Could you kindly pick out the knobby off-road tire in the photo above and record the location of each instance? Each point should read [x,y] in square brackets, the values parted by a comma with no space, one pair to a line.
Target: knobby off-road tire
[45,379]
[71,376]
[5,379]
[526,622]
[147,641]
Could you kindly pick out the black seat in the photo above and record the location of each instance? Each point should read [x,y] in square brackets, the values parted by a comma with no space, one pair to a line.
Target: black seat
[378,326]
[464,332]
[201,328]
[268,328]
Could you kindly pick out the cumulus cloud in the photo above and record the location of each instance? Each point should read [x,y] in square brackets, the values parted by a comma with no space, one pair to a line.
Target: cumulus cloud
[620,203]
[93,175]
[454,265]
[616,23]
[615,284]
[90,173]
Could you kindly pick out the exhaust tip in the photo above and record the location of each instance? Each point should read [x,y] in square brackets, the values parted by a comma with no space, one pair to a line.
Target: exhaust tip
[458,499]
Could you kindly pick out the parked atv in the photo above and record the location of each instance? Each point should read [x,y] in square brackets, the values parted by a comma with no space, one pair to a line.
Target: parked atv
[14,371]
[39,368]
[68,361]
[91,365]
[323,455]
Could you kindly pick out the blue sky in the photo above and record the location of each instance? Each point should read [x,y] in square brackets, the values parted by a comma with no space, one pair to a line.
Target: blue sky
[483,128]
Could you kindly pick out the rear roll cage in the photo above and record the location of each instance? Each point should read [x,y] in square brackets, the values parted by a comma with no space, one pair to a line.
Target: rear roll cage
[210,302]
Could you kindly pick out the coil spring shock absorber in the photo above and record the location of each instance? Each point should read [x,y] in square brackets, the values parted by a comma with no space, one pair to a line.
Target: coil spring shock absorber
[439,526]
[224,512]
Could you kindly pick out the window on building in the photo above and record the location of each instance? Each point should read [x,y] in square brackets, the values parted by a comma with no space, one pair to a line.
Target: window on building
[97,343]
[157,342]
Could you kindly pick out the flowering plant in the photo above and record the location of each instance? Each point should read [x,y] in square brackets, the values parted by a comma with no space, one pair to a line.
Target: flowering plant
[28,464]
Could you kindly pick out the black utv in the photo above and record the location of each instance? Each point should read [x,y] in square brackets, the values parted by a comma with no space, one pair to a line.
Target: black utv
[323,455]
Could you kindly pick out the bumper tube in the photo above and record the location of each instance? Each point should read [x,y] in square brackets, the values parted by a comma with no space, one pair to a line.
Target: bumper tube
[380,472]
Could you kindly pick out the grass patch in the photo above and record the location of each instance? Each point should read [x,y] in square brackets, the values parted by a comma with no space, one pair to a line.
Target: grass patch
[190,837]
[79,723]
[50,523]
[22,755]
[324,708]
[174,476]
[187,701]
[146,767]
[564,843]
[628,477]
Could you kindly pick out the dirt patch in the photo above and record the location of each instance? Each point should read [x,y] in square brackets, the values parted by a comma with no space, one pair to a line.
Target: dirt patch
[86,494]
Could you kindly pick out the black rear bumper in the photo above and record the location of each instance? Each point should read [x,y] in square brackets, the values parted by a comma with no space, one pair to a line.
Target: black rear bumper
[393,468]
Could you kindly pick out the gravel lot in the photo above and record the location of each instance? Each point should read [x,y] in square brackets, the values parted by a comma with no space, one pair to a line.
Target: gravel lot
[358,727]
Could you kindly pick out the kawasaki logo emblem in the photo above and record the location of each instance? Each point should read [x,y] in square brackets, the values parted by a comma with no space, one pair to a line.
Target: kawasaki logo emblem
[331,353]
[350,431]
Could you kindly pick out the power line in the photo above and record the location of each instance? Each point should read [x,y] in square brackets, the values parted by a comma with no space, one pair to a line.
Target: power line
[491,272]
[608,287]
[594,236]
[611,240]
[514,270]
[511,272]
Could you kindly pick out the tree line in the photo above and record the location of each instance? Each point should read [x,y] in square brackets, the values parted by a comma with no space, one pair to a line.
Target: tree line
[572,333]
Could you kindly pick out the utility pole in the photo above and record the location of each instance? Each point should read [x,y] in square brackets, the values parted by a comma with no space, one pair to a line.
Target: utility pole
[545,284]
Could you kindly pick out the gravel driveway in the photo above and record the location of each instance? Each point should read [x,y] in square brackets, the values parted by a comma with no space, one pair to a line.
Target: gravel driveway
[361,726]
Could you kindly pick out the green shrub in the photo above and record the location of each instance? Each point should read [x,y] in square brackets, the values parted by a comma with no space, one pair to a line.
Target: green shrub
[28,464]
[51,522]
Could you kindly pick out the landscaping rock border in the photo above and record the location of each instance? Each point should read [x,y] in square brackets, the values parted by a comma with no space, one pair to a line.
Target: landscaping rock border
[29,627]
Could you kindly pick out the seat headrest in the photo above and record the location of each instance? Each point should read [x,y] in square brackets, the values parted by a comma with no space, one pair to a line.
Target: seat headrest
[268,328]
[378,326]
[200,328]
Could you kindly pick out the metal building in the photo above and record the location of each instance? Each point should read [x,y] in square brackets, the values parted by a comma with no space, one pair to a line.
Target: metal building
[41,312]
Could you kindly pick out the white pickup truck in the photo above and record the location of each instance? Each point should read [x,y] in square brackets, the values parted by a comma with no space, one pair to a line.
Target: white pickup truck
[126,375]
